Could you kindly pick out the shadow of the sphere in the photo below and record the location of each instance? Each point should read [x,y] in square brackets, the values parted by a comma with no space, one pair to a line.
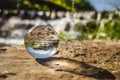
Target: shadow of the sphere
[76,67]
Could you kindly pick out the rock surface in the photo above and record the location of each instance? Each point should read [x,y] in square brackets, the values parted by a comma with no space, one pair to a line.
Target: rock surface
[75,60]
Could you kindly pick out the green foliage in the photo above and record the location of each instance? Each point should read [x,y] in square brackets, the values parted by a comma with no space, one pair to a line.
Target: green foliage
[73,5]
[79,27]
[112,29]
[82,5]
[87,31]
[30,44]
[63,3]
[18,5]
[69,5]
[116,16]
[63,36]
[93,30]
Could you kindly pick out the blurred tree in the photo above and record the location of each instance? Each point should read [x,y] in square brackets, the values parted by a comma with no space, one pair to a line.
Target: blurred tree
[82,5]
[62,5]
[78,5]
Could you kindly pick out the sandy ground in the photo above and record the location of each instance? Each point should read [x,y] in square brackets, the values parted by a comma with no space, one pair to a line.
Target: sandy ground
[75,60]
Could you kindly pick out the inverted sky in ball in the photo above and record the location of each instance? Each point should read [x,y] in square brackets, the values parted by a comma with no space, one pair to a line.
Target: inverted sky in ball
[41,41]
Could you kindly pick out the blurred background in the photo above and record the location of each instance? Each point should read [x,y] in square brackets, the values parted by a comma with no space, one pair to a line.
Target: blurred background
[71,19]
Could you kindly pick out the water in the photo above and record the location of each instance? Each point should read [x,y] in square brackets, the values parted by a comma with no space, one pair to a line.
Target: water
[41,41]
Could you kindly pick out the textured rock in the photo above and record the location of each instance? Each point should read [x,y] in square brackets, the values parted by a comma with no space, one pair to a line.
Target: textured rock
[75,60]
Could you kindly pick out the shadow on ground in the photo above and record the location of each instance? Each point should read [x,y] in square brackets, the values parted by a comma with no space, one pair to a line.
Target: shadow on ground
[76,67]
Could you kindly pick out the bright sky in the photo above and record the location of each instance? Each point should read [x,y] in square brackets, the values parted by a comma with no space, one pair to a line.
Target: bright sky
[105,5]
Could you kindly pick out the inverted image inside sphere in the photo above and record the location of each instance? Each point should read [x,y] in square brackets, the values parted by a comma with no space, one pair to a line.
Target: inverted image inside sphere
[41,41]
[41,33]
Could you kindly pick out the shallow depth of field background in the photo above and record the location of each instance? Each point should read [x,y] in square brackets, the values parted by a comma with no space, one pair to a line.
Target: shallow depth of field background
[71,19]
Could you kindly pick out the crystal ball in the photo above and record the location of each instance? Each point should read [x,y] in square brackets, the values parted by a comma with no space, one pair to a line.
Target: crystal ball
[41,41]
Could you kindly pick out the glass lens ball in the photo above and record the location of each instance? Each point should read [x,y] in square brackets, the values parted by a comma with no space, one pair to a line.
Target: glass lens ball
[41,41]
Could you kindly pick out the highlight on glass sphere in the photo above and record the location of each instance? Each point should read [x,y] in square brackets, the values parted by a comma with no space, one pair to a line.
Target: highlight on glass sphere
[41,41]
